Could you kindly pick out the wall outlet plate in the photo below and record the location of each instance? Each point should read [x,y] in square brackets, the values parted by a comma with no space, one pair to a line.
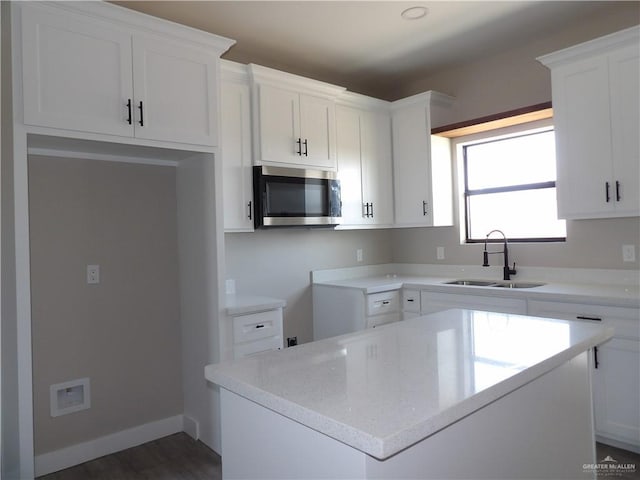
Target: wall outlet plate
[628,253]
[93,274]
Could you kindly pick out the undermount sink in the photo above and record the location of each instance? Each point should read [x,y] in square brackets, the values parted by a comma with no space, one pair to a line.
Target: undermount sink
[475,283]
[518,285]
[487,283]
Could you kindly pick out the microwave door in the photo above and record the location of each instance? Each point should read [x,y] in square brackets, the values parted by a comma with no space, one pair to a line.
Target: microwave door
[294,199]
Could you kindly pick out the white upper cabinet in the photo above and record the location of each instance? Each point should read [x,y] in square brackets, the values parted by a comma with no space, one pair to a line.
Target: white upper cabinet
[175,92]
[77,74]
[596,104]
[86,70]
[364,165]
[294,120]
[423,194]
[235,142]
[318,131]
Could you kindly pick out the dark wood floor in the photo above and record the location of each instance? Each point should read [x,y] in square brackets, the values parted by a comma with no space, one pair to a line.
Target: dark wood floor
[179,457]
[176,457]
[620,456]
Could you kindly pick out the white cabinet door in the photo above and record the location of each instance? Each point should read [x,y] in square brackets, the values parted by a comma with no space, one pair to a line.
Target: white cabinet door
[317,131]
[377,172]
[411,169]
[583,138]
[279,125]
[296,129]
[175,92]
[624,73]
[76,72]
[349,165]
[364,166]
[236,157]
[616,385]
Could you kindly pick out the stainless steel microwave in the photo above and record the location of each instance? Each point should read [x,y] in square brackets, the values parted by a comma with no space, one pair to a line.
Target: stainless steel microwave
[293,197]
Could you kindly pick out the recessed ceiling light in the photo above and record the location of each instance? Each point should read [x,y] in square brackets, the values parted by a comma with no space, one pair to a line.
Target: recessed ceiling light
[414,13]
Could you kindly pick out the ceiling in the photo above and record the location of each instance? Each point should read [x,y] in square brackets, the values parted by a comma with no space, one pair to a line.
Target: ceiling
[365,45]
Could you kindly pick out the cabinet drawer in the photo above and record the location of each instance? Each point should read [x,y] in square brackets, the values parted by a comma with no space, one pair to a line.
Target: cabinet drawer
[259,346]
[382,319]
[411,301]
[247,328]
[624,320]
[382,303]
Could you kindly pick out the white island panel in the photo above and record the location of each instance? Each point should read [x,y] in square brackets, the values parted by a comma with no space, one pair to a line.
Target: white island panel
[378,392]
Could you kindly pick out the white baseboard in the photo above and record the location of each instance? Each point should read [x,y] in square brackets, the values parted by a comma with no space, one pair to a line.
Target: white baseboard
[114,442]
[618,444]
[191,427]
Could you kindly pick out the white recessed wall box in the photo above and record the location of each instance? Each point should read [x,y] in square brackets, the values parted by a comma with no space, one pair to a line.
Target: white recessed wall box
[69,397]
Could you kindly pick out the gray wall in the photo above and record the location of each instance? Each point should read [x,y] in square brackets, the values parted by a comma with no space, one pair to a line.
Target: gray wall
[590,244]
[277,263]
[123,333]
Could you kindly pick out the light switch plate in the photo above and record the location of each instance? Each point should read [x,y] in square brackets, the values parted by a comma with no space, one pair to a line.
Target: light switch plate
[629,253]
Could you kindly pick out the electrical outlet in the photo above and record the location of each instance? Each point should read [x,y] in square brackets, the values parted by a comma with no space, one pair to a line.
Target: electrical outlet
[292,341]
[440,253]
[230,286]
[628,253]
[93,274]
[359,255]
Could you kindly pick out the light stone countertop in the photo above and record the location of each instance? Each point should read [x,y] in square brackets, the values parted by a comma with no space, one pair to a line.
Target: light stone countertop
[561,285]
[243,304]
[383,389]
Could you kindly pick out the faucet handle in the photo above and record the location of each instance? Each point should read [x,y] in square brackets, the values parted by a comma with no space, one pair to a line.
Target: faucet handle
[513,270]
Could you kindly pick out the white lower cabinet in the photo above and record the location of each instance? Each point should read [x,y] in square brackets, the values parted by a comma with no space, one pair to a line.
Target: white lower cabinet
[431,302]
[257,332]
[337,311]
[616,373]
[410,303]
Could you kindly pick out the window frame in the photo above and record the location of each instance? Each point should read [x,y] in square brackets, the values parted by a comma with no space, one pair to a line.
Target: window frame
[490,136]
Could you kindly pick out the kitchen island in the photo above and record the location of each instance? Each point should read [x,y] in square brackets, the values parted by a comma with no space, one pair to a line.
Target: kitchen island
[455,394]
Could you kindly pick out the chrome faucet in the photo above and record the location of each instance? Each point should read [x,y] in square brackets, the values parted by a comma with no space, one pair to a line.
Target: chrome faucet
[505,251]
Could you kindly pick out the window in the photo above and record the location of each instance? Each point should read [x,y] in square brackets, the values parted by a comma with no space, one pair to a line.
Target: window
[510,185]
